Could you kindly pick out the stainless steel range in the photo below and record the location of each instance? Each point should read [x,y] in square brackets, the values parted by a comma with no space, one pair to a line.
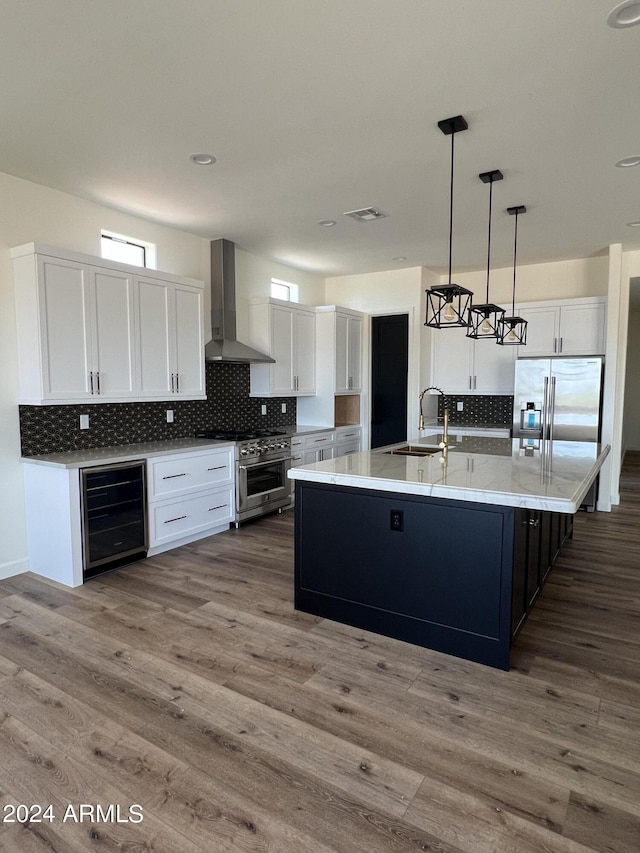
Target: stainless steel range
[263,458]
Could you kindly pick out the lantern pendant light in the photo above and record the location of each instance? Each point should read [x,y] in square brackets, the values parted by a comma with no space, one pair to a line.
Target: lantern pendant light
[448,304]
[484,320]
[513,330]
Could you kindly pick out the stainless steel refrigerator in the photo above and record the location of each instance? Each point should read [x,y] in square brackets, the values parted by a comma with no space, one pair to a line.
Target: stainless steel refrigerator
[558,398]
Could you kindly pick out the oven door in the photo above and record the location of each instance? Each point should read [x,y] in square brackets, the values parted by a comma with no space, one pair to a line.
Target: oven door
[263,484]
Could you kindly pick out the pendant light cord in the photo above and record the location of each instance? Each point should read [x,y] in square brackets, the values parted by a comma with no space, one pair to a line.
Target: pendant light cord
[515,251]
[489,237]
[451,209]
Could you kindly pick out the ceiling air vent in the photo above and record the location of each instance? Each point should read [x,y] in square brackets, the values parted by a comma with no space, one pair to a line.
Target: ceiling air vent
[365,214]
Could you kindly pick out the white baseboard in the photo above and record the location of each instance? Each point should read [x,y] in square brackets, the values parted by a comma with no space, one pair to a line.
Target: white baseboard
[17,567]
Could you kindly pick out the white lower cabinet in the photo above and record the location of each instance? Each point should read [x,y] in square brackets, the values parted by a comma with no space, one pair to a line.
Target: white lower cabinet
[348,441]
[191,495]
[310,447]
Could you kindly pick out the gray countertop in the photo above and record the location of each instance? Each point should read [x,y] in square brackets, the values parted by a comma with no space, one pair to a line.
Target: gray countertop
[123,452]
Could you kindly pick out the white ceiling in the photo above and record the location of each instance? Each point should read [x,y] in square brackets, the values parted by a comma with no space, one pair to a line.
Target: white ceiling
[316,107]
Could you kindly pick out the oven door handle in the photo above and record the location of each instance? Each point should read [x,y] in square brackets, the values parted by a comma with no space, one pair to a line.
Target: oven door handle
[268,462]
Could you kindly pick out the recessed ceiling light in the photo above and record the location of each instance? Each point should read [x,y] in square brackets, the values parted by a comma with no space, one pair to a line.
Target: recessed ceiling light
[399,258]
[625,14]
[635,224]
[202,159]
[327,223]
[629,161]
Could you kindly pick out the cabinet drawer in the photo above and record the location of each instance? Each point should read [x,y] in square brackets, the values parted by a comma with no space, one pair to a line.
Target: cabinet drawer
[345,448]
[319,440]
[184,473]
[176,519]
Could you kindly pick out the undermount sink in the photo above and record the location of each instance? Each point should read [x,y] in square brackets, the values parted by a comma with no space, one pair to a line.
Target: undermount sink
[413,450]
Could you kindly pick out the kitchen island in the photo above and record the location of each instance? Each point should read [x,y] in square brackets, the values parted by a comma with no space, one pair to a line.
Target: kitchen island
[447,549]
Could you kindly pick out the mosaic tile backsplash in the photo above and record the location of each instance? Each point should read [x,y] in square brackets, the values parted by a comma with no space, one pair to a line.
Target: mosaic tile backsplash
[55,429]
[490,410]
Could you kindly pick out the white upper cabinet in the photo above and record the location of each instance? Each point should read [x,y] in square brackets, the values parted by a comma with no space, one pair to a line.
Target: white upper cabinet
[570,327]
[95,331]
[171,342]
[462,365]
[286,332]
[347,334]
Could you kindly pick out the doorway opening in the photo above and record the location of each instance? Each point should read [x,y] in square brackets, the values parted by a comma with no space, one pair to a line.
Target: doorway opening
[389,372]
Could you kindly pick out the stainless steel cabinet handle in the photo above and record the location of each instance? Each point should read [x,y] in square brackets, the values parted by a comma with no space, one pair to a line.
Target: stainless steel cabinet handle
[475,378]
[560,344]
[91,380]
[216,468]
[177,383]
[470,386]
[220,506]
[98,381]
[555,345]
[173,476]
[533,522]
[172,388]
[177,518]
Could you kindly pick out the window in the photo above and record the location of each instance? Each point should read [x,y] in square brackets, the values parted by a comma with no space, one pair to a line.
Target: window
[284,290]
[127,250]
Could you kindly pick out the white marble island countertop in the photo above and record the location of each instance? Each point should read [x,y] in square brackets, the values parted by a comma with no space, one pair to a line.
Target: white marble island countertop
[549,475]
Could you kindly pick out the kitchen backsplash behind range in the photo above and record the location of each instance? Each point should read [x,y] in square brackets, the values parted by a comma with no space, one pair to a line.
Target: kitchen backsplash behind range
[55,429]
[496,410]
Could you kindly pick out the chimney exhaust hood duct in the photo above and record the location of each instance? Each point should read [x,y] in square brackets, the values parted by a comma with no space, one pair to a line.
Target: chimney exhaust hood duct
[224,345]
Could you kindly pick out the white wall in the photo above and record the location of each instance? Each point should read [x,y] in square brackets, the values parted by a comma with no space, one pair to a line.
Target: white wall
[534,282]
[253,279]
[631,431]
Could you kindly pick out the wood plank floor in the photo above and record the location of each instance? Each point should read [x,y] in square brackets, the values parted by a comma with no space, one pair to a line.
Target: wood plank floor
[187,684]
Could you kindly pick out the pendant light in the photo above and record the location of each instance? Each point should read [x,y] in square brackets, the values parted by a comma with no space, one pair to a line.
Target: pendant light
[513,330]
[448,304]
[484,320]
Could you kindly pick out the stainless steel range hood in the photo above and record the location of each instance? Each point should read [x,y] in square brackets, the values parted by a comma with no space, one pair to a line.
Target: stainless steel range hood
[224,345]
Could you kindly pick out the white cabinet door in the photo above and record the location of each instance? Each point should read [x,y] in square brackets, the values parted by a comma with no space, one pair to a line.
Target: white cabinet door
[170,340]
[288,334]
[493,368]
[348,344]
[342,352]
[354,361]
[189,342]
[304,352]
[452,368]
[543,331]
[582,329]
[113,341]
[281,349]
[66,308]
[462,365]
[575,327]
[154,340]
